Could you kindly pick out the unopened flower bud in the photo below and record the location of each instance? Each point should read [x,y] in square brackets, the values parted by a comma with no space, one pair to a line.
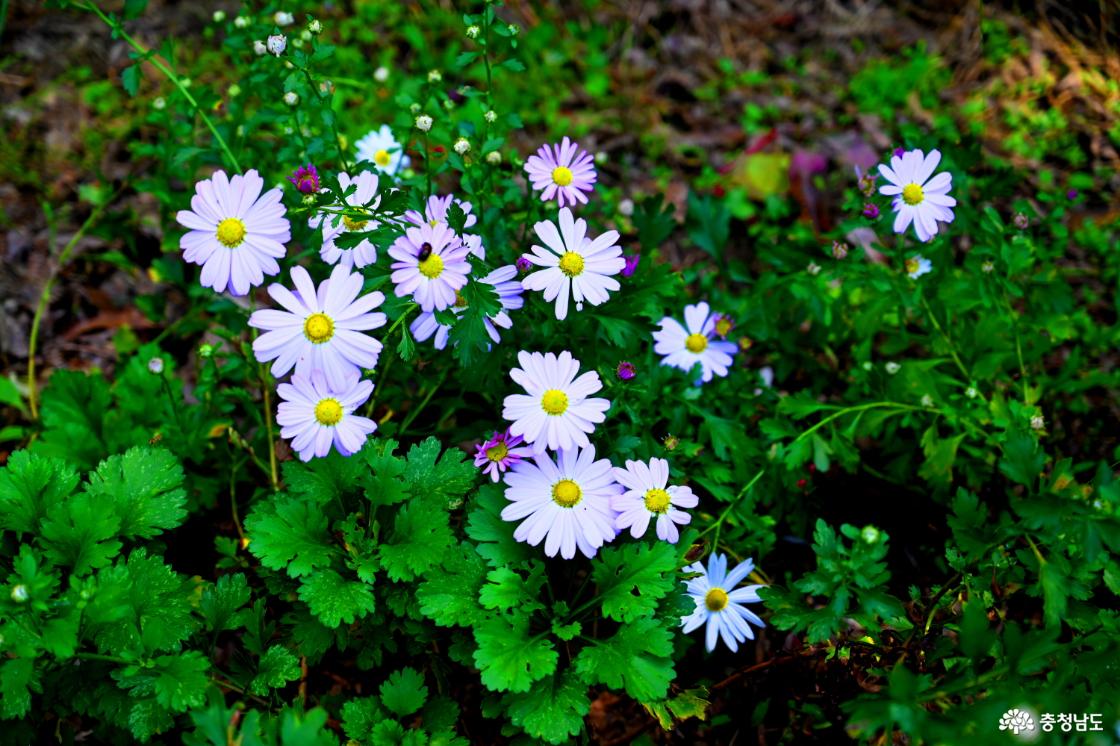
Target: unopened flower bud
[381,74]
[870,535]
[472,32]
[813,268]
[839,250]
[493,157]
[219,16]
[277,43]
[1021,221]
[892,367]
[423,122]
[434,76]
[291,98]
[626,371]
[462,146]
[260,48]
[1037,422]
[155,365]
[314,26]
[159,104]
[283,19]
[987,267]
[19,593]
[241,22]
[490,116]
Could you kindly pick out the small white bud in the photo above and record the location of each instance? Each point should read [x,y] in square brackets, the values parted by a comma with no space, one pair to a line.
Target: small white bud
[19,593]
[277,43]
[434,76]
[1037,422]
[987,267]
[473,31]
[315,26]
[159,104]
[493,157]
[813,268]
[291,98]
[381,74]
[971,392]
[448,104]
[601,157]
[892,367]
[155,365]
[219,16]
[423,122]
[414,107]
[513,30]
[241,22]
[490,116]
[283,19]
[927,400]
[462,146]
[626,207]
[259,48]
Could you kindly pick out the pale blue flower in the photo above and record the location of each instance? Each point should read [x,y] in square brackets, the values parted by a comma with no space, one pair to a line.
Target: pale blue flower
[719,603]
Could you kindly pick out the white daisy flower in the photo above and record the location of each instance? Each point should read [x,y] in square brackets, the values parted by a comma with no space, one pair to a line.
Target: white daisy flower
[648,498]
[320,330]
[917,265]
[917,197]
[380,148]
[682,347]
[235,232]
[431,266]
[556,413]
[720,604]
[574,264]
[509,295]
[435,211]
[365,253]
[316,416]
[567,503]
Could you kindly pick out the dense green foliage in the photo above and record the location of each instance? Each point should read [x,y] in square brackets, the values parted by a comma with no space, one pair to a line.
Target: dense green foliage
[926,482]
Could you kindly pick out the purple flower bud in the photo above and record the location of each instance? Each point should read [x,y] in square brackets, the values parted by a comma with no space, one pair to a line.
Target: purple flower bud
[1071,194]
[305,179]
[631,264]
[899,152]
[523,264]
[626,370]
[871,211]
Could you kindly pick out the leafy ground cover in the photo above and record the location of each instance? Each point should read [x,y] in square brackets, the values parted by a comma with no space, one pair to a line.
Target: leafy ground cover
[907,431]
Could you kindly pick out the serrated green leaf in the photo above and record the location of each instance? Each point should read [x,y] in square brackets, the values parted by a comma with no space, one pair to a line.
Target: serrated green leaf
[323,480]
[276,668]
[450,476]
[1022,459]
[140,606]
[18,679]
[32,487]
[633,577]
[175,682]
[494,536]
[144,488]
[636,658]
[420,538]
[403,693]
[552,710]
[450,596]
[511,660]
[334,599]
[289,534]
[81,535]
[221,602]
[507,590]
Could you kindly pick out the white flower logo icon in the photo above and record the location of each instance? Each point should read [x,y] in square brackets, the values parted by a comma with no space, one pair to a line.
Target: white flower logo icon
[1016,721]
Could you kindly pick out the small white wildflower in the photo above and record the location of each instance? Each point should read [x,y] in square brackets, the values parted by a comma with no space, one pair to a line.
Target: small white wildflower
[813,268]
[277,43]
[601,157]
[219,16]
[283,19]
[927,400]
[315,26]
[892,367]
[259,48]
[155,365]
[971,392]
[1037,422]
[473,31]
[513,30]
[462,146]
[423,122]
[159,104]
[626,207]
[291,98]
[19,593]
[493,157]
[490,116]
[381,74]
[987,267]
[434,76]
[870,535]
[241,22]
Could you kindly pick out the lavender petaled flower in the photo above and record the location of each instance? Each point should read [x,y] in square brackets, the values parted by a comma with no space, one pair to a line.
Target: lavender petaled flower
[563,171]
[626,370]
[305,179]
[500,452]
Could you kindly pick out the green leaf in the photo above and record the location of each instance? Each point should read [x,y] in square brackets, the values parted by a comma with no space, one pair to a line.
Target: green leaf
[32,487]
[386,485]
[323,480]
[176,682]
[633,577]
[289,534]
[691,703]
[493,535]
[636,658]
[508,591]
[144,488]
[449,477]
[655,222]
[941,454]
[221,602]
[134,8]
[450,597]
[73,407]
[420,538]
[130,78]
[359,717]
[334,599]
[81,534]
[140,606]
[18,679]
[1022,459]
[509,659]
[469,335]
[552,710]
[403,693]
[276,668]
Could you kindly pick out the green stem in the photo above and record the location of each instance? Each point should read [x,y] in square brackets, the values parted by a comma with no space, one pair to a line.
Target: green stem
[949,342]
[45,297]
[146,54]
[329,97]
[104,658]
[385,371]
[416,412]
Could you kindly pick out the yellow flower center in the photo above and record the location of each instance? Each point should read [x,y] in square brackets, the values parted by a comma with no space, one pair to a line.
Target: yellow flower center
[716,600]
[723,326]
[328,412]
[562,176]
[433,222]
[497,452]
[554,402]
[571,264]
[381,158]
[566,493]
[912,266]
[460,301]
[912,194]
[318,328]
[431,267]
[231,232]
[657,500]
[696,343]
[352,224]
